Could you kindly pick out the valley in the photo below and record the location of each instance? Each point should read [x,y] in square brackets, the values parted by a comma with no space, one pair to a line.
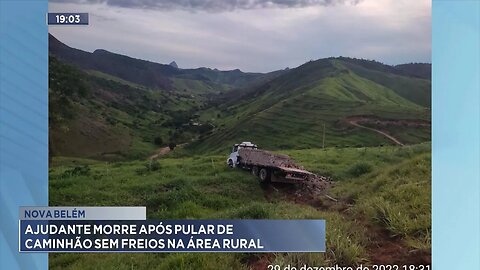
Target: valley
[305,107]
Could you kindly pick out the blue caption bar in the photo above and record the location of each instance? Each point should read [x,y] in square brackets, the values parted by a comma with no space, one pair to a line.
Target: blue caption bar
[67,18]
[172,236]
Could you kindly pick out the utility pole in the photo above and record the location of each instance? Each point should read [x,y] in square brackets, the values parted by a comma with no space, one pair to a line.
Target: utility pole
[323,140]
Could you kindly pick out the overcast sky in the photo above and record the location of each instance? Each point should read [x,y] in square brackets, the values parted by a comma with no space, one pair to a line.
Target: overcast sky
[252,35]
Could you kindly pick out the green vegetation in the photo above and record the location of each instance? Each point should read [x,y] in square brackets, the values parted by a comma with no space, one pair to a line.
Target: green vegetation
[360,168]
[397,199]
[395,195]
[416,89]
[100,116]
[295,109]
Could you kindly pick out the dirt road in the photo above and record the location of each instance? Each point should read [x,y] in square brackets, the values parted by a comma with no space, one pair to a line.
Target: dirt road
[164,150]
[160,152]
[393,139]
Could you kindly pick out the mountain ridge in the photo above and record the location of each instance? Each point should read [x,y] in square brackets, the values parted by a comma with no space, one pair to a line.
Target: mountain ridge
[147,73]
[157,75]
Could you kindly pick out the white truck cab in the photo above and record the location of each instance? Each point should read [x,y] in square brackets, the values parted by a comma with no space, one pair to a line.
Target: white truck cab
[232,160]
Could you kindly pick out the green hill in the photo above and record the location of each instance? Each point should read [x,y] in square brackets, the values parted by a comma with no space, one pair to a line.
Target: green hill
[292,110]
[410,81]
[113,118]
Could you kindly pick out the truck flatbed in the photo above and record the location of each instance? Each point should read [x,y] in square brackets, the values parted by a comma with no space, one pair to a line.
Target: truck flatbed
[268,166]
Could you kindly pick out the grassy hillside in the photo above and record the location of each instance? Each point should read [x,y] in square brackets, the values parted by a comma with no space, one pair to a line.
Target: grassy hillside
[116,119]
[389,193]
[292,111]
[416,89]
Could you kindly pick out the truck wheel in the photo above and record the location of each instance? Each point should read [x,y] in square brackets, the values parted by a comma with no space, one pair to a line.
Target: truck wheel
[264,175]
[255,170]
[230,163]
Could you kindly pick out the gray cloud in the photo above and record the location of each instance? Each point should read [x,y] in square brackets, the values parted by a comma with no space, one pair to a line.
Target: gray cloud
[212,5]
[262,39]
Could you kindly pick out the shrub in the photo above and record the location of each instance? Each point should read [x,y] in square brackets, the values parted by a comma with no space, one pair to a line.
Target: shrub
[141,171]
[150,166]
[77,171]
[359,169]
[153,165]
[172,145]
[158,141]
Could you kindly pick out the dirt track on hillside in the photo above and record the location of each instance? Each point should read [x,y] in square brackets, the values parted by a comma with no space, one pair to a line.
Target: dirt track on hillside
[388,136]
[160,152]
[164,150]
[360,121]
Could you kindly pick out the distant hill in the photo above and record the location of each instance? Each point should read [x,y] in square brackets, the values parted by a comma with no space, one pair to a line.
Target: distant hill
[150,74]
[134,70]
[420,70]
[417,70]
[411,83]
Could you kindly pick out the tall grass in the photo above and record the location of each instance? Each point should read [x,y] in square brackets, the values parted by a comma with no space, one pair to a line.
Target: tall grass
[397,199]
[394,195]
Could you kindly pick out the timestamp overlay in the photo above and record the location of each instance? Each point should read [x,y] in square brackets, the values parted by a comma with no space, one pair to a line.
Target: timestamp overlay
[67,18]
[357,267]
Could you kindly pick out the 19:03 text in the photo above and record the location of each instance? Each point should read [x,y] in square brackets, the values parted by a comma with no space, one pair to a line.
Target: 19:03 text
[68,19]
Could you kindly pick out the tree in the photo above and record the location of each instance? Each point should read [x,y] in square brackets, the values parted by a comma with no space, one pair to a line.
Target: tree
[158,141]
